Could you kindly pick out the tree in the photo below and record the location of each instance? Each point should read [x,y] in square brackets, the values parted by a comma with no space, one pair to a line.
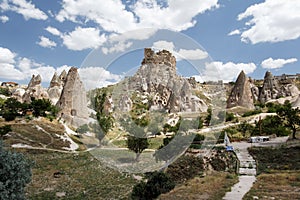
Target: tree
[289,116]
[137,145]
[15,173]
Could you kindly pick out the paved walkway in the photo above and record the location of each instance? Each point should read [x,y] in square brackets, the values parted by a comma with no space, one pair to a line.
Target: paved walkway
[247,172]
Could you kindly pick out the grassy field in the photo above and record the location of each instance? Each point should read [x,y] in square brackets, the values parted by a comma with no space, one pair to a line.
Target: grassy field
[213,187]
[279,172]
[276,185]
[75,176]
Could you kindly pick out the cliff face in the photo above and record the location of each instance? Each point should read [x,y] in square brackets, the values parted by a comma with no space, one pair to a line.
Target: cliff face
[72,102]
[157,79]
[242,94]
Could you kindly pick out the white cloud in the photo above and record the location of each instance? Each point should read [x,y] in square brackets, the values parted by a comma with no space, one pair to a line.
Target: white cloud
[271,21]
[270,63]
[6,56]
[8,71]
[53,30]
[13,67]
[4,19]
[83,38]
[162,44]
[235,32]
[215,71]
[114,16]
[189,54]
[95,77]
[46,42]
[196,54]
[23,7]
[118,47]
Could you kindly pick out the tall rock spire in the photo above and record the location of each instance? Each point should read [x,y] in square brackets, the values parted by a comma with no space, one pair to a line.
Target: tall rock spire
[270,89]
[73,101]
[241,94]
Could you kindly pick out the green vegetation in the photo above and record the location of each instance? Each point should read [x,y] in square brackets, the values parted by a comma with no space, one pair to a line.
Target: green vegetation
[282,158]
[158,183]
[185,168]
[15,173]
[5,91]
[290,117]
[11,108]
[137,145]
[252,112]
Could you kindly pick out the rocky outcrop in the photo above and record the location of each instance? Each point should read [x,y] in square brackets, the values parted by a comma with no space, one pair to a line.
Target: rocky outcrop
[241,94]
[157,79]
[56,87]
[271,89]
[35,90]
[73,102]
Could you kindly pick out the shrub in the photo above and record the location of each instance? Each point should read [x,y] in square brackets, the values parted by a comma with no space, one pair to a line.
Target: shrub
[15,173]
[158,183]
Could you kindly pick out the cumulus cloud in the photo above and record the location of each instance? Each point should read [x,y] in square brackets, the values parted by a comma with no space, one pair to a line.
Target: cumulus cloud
[83,38]
[193,54]
[53,30]
[114,16]
[4,19]
[235,32]
[271,21]
[271,63]
[25,8]
[95,77]
[215,71]
[7,56]
[189,54]
[13,67]
[46,42]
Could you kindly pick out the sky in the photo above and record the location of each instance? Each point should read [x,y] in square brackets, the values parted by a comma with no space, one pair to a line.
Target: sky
[211,39]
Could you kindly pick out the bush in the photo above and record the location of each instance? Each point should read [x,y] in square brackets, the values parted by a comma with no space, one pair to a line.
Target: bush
[158,183]
[4,130]
[15,173]
[252,112]
[185,168]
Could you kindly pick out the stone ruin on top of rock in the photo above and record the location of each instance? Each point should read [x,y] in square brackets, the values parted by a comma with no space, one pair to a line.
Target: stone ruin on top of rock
[73,101]
[245,93]
[157,78]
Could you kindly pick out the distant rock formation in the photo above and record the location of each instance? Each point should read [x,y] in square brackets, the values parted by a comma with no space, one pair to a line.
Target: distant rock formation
[56,87]
[35,90]
[73,102]
[157,78]
[241,94]
[271,89]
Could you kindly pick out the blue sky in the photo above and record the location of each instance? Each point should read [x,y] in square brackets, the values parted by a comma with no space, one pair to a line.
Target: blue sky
[41,37]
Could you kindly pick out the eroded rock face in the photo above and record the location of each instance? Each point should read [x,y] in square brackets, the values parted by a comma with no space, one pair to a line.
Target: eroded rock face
[157,79]
[242,94]
[56,87]
[270,89]
[35,90]
[73,102]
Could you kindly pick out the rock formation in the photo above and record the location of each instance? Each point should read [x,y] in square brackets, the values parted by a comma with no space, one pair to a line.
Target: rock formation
[73,102]
[241,94]
[270,89]
[157,78]
[56,87]
[35,90]
[296,104]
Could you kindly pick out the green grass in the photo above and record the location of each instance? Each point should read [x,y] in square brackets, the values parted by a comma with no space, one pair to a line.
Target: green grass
[81,176]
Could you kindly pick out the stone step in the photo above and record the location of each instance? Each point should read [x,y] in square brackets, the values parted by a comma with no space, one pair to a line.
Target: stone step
[247,171]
